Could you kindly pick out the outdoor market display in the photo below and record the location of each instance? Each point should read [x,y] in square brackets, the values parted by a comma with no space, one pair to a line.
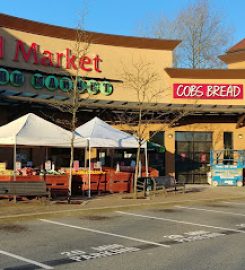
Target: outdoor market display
[31,130]
[99,134]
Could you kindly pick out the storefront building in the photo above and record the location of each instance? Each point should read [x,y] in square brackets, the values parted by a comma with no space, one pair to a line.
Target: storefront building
[37,60]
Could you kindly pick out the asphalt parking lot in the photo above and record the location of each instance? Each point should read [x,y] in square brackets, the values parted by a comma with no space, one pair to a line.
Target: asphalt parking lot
[193,236]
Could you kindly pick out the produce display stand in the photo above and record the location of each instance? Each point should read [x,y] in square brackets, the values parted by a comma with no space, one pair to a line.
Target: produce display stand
[98,182]
[29,178]
[58,184]
[120,182]
[21,178]
[6,178]
[108,180]
[105,181]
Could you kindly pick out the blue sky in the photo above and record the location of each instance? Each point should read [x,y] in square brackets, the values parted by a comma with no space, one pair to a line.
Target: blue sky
[118,16]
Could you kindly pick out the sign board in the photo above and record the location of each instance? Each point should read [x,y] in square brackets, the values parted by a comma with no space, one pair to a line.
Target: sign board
[98,165]
[18,165]
[29,164]
[48,165]
[53,83]
[227,174]
[208,91]
[2,166]
[62,59]
[76,165]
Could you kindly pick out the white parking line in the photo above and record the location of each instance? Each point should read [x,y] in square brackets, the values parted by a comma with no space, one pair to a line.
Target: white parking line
[179,221]
[210,210]
[105,233]
[236,203]
[43,266]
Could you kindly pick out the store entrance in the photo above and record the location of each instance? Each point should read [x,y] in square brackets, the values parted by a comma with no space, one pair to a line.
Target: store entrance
[156,155]
[192,156]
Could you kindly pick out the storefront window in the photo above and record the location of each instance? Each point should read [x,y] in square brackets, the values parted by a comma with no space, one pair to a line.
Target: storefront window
[183,136]
[228,140]
[192,156]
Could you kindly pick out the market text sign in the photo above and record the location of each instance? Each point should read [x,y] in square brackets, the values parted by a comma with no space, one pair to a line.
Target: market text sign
[52,83]
[66,59]
[208,91]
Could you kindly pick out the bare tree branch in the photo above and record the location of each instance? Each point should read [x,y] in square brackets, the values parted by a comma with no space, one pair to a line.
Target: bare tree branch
[202,31]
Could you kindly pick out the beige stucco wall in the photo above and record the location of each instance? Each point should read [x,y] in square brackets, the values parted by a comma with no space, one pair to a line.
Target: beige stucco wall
[114,58]
[236,65]
[217,130]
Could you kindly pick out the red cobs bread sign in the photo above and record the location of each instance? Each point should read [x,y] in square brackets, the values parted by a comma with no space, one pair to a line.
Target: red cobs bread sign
[208,91]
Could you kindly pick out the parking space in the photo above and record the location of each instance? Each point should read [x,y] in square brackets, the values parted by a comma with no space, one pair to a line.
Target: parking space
[180,237]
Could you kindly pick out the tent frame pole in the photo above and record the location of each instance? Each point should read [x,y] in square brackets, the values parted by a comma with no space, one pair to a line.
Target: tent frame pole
[85,156]
[14,159]
[89,170]
[14,165]
[146,162]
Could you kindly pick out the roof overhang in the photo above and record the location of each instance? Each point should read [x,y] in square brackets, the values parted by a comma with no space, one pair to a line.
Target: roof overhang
[233,57]
[10,97]
[43,29]
[206,73]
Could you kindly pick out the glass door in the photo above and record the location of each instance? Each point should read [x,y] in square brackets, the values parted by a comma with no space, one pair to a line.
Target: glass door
[192,156]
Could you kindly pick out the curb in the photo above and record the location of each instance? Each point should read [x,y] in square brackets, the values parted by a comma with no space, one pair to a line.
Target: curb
[26,215]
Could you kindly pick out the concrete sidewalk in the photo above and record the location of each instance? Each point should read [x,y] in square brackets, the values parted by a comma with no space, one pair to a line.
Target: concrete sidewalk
[194,193]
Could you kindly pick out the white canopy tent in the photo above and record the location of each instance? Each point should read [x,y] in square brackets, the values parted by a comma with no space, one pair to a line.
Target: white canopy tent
[99,134]
[32,130]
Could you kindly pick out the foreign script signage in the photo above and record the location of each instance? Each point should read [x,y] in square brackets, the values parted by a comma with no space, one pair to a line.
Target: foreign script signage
[53,83]
[208,91]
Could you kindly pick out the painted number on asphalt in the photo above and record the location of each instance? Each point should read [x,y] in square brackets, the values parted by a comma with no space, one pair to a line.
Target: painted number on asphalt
[241,225]
[99,252]
[193,236]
